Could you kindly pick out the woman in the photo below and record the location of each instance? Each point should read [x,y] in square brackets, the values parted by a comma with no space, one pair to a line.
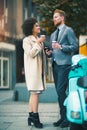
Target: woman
[34,64]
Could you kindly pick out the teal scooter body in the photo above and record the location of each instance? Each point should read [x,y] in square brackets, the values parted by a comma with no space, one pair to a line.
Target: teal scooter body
[76,101]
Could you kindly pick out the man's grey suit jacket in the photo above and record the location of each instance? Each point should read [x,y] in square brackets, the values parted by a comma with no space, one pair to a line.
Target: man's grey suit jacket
[69,44]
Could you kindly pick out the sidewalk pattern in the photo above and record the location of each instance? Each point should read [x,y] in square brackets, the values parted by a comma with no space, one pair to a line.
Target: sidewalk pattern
[13,115]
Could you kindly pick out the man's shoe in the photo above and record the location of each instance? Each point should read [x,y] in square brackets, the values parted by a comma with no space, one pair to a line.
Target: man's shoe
[64,124]
[58,123]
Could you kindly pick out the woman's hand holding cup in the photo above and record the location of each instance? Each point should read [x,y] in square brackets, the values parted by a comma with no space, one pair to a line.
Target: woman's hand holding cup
[42,37]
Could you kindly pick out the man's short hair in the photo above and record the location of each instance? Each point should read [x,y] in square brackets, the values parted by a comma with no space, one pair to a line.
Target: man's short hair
[61,12]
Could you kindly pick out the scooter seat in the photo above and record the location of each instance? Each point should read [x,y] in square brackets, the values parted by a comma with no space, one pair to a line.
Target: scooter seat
[82,82]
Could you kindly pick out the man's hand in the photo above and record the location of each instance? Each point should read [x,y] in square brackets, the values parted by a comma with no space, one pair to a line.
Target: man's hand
[56,46]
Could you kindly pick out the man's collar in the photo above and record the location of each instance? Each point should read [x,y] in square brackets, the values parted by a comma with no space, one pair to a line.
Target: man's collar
[61,26]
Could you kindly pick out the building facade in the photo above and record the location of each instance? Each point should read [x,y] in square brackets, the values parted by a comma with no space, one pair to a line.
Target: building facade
[12,15]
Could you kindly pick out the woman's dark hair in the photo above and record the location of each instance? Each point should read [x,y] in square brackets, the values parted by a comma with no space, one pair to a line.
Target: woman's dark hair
[28,25]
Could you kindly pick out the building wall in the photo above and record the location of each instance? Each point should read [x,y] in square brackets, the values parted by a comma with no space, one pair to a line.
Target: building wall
[12,15]
[7,45]
[19,18]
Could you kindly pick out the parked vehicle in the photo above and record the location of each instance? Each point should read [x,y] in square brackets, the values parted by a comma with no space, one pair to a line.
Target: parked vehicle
[76,101]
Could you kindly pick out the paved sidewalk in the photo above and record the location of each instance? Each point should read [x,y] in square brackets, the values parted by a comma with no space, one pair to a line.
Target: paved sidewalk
[13,115]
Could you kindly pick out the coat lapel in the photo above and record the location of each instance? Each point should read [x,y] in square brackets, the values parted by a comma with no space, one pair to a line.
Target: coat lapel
[61,34]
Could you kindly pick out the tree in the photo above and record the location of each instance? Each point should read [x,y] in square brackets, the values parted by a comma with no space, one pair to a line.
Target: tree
[76,11]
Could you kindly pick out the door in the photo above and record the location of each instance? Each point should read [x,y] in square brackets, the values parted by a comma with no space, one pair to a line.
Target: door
[4,72]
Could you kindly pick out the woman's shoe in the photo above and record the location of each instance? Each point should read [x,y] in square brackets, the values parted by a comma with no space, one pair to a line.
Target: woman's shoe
[34,118]
[30,118]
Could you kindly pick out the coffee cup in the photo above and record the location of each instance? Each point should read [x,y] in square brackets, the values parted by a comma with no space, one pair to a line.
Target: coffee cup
[53,44]
[42,36]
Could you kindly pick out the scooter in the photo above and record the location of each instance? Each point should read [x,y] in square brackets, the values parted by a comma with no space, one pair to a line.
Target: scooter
[76,101]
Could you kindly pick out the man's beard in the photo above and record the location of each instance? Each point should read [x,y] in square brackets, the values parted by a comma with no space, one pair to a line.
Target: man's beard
[59,23]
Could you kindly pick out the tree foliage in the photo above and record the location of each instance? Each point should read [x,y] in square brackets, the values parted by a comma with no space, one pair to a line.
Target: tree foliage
[76,11]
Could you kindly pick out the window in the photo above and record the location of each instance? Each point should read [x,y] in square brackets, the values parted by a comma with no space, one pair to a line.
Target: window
[4,71]
[26,9]
[6,10]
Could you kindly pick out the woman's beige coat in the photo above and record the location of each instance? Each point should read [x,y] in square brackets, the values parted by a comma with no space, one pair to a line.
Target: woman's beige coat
[33,64]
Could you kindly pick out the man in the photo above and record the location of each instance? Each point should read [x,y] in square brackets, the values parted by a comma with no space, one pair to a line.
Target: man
[64,44]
